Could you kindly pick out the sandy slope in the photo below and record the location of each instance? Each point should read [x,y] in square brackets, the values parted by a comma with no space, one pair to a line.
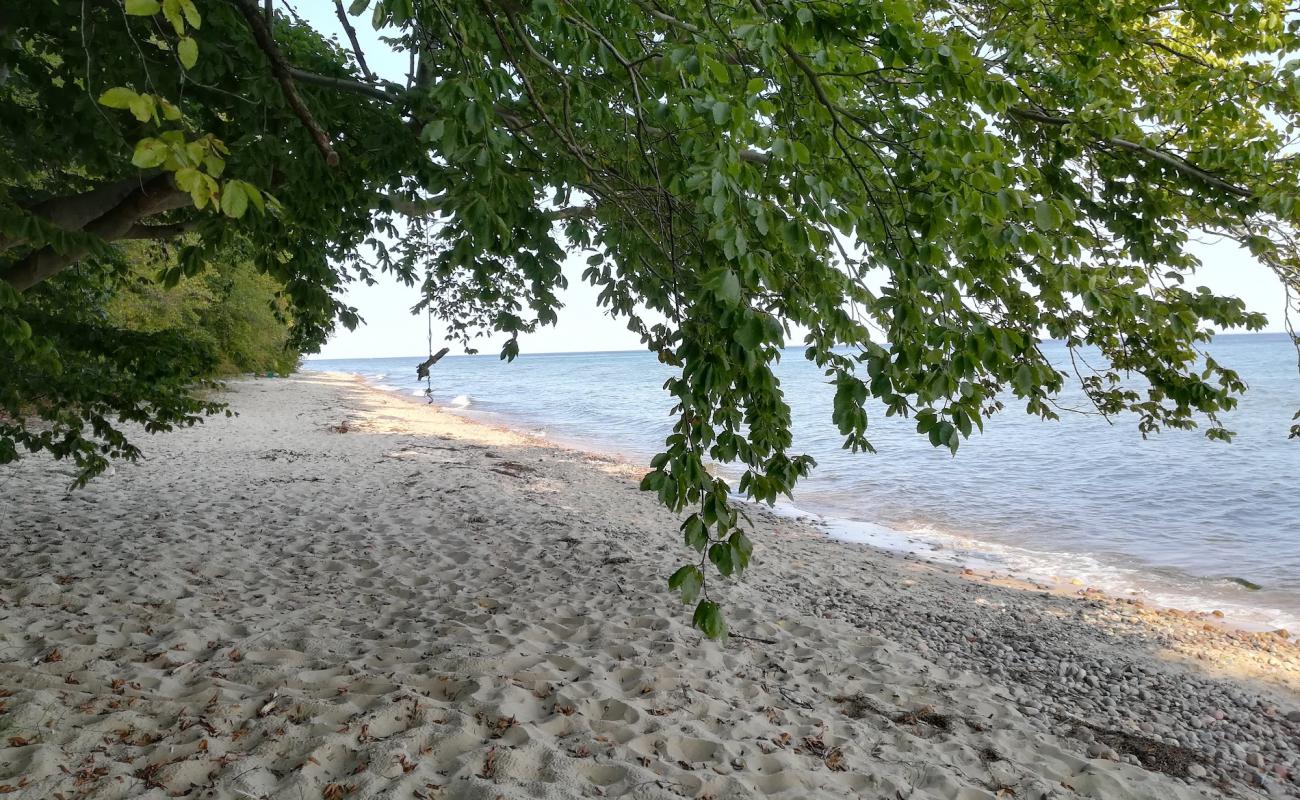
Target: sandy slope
[422,607]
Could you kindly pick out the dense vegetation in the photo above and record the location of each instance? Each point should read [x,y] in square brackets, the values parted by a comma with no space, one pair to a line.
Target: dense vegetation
[120,343]
[928,187]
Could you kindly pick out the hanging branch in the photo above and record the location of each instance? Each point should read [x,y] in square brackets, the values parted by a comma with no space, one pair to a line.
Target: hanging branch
[352,37]
[422,371]
[280,68]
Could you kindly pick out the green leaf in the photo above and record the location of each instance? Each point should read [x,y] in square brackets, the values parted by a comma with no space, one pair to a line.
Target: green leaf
[728,286]
[1047,215]
[697,536]
[689,580]
[172,13]
[254,197]
[188,51]
[118,97]
[170,111]
[433,131]
[721,113]
[750,333]
[720,554]
[233,200]
[742,549]
[143,108]
[149,153]
[187,178]
[142,8]
[191,13]
[708,618]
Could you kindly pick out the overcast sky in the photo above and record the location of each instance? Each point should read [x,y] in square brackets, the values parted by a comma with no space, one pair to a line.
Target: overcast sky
[391,330]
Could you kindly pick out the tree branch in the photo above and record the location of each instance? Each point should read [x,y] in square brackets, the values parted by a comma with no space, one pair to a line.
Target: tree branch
[352,37]
[73,212]
[280,68]
[1176,163]
[154,197]
[343,84]
[428,206]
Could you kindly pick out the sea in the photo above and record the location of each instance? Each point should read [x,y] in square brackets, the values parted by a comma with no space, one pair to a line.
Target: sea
[1175,519]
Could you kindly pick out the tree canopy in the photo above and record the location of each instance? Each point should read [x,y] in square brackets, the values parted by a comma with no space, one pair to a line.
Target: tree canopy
[929,188]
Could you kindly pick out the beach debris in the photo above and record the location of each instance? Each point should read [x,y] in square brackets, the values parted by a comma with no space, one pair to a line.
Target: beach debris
[511,468]
[926,716]
[336,791]
[489,765]
[342,427]
[149,775]
[856,706]
[1155,755]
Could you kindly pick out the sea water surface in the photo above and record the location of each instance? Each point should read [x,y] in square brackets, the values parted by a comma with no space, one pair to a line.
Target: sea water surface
[1180,520]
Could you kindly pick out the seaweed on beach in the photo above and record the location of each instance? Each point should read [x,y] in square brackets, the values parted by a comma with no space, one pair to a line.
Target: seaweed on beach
[926,716]
[857,706]
[511,468]
[1154,754]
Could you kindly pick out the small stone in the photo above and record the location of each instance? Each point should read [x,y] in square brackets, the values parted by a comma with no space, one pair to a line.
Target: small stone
[1293,716]
[1255,760]
[1196,771]
[1097,750]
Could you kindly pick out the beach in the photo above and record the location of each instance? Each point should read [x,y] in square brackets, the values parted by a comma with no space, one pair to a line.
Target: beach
[340,593]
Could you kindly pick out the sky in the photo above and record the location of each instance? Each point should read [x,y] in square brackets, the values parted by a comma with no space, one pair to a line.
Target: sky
[390,329]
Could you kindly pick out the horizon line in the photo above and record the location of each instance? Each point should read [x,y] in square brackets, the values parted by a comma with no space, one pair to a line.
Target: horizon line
[524,353]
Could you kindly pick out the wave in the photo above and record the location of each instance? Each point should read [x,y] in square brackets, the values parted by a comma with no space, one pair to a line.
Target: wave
[460,401]
[1160,586]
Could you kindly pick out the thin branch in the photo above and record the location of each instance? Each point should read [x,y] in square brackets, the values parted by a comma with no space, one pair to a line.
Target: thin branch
[283,73]
[344,84]
[1170,160]
[352,37]
[429,206]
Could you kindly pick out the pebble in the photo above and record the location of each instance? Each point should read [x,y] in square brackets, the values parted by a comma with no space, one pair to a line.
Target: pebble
[1196,771]
[1255,760]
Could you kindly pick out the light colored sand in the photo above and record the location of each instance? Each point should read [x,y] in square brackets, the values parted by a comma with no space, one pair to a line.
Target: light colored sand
[424,607]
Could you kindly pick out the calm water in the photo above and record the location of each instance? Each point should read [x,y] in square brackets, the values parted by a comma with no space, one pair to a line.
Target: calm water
[1174,517]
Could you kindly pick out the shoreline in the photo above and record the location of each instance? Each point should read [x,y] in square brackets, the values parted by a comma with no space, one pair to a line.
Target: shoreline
[847,531]
[335,595]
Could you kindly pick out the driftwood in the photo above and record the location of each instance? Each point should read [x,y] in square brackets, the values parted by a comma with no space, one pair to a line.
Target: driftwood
[422,371]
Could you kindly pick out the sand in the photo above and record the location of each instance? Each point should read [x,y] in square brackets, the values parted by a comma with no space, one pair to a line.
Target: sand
[339,593]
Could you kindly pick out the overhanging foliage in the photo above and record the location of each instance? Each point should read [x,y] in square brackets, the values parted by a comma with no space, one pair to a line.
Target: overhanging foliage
[927,187]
